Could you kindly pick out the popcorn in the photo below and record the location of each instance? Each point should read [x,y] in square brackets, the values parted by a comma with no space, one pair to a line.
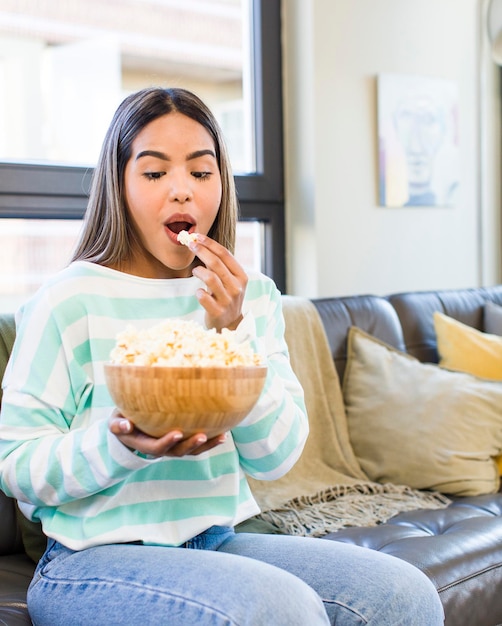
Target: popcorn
[185,237]
[182,343]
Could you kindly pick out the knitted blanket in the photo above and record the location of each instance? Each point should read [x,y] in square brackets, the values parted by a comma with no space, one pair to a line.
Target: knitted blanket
[327,490]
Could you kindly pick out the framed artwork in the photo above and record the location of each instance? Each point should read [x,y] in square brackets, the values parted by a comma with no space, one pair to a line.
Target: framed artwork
[417,141]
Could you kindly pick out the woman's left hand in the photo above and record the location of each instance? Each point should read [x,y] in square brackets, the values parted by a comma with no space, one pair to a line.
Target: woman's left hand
[173,443]
[225,280]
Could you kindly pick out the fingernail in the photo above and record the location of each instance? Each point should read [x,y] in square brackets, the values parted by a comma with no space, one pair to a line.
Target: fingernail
[201,439]
[177,436]
[125,426]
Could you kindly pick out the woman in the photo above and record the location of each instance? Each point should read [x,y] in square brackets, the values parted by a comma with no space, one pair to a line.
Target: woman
[140,529]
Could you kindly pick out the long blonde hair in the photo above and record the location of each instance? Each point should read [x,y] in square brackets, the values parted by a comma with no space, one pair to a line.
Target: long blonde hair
[108,235]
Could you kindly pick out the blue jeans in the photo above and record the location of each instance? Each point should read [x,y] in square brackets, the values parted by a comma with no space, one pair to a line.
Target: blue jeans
[230,579]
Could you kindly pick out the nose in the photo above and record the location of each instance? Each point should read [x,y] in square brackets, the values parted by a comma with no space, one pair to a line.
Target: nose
[180,189]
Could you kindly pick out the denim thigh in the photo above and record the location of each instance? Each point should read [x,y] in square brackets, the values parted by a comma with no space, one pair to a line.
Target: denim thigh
[131,584]
[357,585]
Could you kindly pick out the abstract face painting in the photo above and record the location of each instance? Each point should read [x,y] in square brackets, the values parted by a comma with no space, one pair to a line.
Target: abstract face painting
[418,141]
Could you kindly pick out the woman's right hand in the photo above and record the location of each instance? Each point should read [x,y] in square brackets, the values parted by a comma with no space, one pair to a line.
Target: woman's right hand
[172,443]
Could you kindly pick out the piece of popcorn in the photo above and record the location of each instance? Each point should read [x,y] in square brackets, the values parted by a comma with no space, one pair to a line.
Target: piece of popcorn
[182,343]
[185,237]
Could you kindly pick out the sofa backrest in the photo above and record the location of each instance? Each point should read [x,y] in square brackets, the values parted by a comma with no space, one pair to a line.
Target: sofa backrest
[415,310]
[373,314]
[403,320]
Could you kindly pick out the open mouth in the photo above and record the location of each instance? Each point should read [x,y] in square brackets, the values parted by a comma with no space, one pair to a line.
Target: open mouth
[177,227]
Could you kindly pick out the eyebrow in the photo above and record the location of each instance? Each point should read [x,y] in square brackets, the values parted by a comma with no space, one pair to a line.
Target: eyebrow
[161,155]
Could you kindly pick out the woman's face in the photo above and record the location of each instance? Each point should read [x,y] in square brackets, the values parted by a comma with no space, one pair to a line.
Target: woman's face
[172,183]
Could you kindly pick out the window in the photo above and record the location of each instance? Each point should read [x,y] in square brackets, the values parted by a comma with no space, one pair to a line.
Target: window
[42,198]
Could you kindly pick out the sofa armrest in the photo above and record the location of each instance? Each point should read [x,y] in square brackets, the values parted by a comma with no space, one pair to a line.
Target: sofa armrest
[372,314]
[10,535]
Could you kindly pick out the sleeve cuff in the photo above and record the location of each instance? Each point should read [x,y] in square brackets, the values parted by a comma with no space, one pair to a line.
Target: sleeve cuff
[124,456]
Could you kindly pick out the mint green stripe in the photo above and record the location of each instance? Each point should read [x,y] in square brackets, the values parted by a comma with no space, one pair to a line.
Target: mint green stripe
[101,396]
[195,470]
[155,512]
[281,453]
[44,359]
[71,309]
[258,430]
[244,491]
[80,471]
[22,416]
[257,287]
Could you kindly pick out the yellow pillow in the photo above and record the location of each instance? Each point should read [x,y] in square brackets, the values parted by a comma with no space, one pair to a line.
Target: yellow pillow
[464,349]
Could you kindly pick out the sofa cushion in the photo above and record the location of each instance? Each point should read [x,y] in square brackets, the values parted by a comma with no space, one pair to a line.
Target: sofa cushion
[459,548]
[420,425]
[16,572]
[466,349]
[493,318]
[493,325]
[32,536]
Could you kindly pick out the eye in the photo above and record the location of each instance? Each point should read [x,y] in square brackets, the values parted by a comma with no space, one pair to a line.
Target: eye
[201,175]
[153,175]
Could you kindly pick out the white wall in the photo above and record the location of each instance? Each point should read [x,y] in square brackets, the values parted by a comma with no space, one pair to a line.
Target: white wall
[340,241]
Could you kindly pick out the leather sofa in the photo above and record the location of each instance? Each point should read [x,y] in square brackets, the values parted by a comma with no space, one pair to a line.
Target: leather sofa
[459,548]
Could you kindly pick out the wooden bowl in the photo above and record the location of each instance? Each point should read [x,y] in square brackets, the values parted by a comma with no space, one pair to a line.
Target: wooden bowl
[208,400]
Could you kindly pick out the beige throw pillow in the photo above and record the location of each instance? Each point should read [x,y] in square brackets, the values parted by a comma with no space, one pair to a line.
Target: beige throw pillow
[420,425]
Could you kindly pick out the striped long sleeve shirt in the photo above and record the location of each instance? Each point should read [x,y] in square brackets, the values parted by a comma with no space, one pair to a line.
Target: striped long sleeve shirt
[57,455]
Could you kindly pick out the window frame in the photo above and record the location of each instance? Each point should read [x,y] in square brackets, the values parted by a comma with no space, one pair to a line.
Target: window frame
[52,191]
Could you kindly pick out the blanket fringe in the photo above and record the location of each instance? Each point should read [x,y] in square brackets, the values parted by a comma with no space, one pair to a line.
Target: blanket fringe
[344,506]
